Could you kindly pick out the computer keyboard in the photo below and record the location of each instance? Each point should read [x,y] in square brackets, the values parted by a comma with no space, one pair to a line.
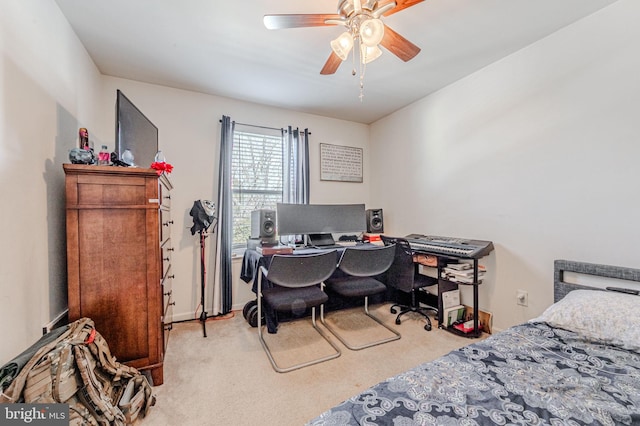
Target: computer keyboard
[346,243]
[328,246]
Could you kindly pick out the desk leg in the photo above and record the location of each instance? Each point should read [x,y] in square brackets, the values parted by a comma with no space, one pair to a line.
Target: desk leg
[475,311]
[476,332]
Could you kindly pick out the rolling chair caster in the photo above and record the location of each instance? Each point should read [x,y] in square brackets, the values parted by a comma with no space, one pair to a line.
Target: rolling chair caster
[427,326]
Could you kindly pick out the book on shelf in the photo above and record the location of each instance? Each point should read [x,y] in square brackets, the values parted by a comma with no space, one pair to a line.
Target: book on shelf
[453,315]
[463,275]
[462,266]
[463,271]
[463,280]
[450,298]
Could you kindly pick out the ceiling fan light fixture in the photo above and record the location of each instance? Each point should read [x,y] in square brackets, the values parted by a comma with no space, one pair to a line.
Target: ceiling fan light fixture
[365,32]
[371,32]
[342,45]
[369,53]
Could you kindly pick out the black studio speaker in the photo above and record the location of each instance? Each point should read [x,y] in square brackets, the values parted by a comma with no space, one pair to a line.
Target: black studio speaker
[263,226]
[375,225]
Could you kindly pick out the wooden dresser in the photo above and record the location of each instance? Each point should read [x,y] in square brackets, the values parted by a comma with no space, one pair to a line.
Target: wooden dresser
[119,259]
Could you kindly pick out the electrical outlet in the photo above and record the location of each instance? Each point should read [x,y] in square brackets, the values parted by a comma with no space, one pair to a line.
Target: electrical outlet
[522,298]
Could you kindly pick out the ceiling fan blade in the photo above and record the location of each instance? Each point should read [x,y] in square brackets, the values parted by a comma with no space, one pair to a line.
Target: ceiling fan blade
[278,22]
[332,64]
[400,5]
[398,45]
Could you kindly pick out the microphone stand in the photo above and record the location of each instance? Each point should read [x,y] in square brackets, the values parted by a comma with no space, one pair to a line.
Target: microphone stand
[203,314]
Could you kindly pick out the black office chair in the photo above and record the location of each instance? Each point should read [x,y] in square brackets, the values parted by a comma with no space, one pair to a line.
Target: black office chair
[298,280]
[361,266]
[403,275]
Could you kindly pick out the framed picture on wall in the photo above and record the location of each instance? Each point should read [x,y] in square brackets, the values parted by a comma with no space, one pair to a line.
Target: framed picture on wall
[340,163]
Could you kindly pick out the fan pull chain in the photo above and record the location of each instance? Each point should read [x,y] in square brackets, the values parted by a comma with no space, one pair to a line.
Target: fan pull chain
[353,59]
[363,67]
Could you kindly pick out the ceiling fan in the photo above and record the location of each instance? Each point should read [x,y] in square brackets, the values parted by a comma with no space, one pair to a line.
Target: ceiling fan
[364,30]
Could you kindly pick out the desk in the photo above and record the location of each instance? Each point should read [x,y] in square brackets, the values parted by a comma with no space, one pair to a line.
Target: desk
[252,261]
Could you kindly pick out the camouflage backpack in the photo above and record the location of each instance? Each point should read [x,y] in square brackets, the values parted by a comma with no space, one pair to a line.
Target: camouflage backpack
[78,369]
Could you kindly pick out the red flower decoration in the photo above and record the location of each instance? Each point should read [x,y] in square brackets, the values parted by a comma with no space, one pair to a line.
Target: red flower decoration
[162,167]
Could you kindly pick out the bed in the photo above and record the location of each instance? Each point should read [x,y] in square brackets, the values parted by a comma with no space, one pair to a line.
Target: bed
[578,363]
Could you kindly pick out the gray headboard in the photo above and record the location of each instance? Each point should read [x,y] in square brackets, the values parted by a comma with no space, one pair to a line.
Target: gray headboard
[561,288]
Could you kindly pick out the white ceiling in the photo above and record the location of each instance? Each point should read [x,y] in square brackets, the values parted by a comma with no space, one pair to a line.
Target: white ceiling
[222,48]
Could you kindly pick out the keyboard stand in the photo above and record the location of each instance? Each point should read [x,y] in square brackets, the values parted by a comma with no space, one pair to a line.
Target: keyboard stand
[447,285]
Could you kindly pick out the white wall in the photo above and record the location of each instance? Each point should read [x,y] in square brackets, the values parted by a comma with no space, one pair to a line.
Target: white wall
[537,152]
[49,87]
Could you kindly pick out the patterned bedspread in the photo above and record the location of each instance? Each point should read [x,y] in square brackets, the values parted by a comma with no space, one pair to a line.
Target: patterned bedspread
[530,374]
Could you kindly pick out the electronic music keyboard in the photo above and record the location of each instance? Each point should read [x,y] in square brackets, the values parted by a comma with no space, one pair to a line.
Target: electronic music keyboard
[448,246]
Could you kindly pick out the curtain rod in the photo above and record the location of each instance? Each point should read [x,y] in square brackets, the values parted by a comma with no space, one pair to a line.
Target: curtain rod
[259,127]
[253,125]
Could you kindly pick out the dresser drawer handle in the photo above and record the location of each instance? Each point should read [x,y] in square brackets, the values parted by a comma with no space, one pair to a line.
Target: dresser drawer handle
[166,258]
[168,293]
[167,223]
[171,276]
[170,249]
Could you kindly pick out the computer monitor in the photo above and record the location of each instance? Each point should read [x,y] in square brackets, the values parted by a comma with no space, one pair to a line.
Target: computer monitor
[320,221]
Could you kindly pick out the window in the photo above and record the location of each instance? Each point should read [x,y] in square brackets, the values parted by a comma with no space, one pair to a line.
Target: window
[257,177]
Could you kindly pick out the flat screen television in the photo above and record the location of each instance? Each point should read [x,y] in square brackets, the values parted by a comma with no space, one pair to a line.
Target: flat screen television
[135,132]
[319,221]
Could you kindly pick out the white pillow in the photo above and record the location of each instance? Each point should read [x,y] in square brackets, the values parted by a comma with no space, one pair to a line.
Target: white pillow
[604,316]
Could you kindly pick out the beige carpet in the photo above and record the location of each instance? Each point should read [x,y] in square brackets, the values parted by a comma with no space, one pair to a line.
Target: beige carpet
[226,378]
